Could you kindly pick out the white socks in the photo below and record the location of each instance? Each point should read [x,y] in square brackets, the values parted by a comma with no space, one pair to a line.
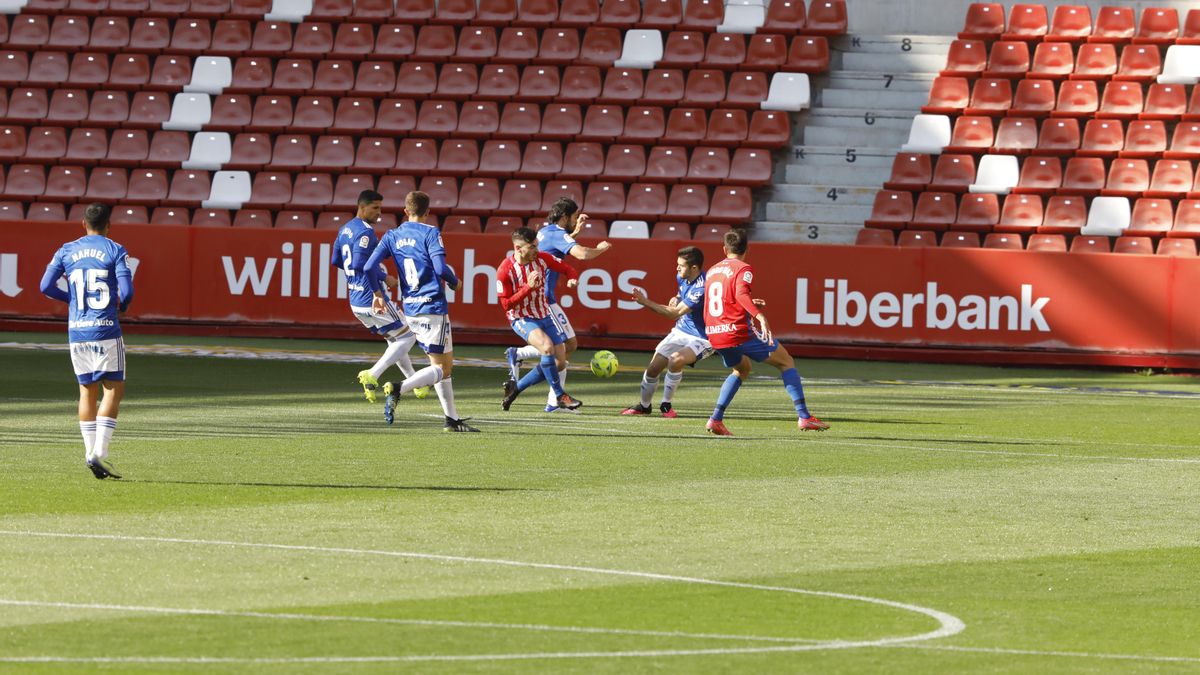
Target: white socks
[528,352]
[672,380]
[88,431]
[105,426]
[427,376]
[648,387]
[397,353]
[445,392]
[551,399]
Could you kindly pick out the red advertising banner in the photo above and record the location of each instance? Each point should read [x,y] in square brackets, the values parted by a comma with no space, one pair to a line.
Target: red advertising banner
[843,295]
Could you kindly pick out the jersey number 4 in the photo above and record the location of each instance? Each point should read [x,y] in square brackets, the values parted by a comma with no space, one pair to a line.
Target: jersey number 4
[716,298]
[96,290]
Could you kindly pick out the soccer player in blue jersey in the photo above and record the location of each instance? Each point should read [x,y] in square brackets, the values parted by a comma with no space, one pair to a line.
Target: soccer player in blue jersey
[355,242]
[416,249]
[99,286]
[687,342]
[554,238]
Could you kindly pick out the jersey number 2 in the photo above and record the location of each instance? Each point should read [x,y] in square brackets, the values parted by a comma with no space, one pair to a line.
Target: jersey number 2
[95,285]
[716,298]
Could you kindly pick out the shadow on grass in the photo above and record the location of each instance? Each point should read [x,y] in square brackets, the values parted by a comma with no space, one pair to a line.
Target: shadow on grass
[326,486]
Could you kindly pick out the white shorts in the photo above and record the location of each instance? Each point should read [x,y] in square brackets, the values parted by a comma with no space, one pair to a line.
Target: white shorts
[98,360]
[433,332]
[390,323]
[559,317]
[678,341]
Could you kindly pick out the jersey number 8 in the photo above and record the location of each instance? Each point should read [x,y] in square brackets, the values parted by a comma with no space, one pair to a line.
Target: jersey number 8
[716,298]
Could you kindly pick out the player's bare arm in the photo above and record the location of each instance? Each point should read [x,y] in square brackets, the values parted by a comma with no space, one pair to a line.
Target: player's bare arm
[672,310]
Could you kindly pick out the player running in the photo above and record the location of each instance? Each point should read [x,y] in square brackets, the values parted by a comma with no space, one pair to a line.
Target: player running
[686,343]
[99,287]
[416,249]
[728,309]
[522,284]
[355,242]
[553,238]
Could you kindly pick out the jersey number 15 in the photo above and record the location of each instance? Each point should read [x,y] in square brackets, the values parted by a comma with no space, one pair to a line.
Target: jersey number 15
[96,290]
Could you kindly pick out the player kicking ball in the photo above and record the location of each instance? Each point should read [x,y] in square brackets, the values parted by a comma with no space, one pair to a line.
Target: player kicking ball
[99,286]
[728,309]
[416,249]
[686,343]
[521,285]
[354,244]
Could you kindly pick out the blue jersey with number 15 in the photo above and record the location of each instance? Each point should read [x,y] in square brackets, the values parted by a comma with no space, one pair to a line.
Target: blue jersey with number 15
[92,265]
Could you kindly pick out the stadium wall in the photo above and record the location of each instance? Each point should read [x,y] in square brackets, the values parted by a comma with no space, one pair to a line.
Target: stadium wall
[853,302]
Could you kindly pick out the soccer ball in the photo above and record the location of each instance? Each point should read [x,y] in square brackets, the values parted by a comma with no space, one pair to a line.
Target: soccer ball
[604,364]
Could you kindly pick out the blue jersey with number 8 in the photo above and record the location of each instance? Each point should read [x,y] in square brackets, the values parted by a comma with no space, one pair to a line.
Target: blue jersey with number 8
[92,265]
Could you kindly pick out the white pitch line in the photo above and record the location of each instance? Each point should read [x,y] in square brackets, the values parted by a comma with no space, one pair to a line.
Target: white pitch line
[1037,652]
[947,624]
[289,616]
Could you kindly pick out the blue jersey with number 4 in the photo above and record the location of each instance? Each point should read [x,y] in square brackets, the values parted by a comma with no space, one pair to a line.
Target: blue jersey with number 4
[691,295]
[557,242]
[93,265]
[355,243]
[414,247]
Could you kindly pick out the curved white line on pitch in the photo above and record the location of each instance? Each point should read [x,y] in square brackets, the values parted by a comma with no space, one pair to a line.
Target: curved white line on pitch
[947,624]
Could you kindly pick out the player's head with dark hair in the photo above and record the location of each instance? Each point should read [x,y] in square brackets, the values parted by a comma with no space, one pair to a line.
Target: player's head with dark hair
[524,244]
[736,242]
[370,206]
[563,207]
[416,204]
[96,216]
[692,255]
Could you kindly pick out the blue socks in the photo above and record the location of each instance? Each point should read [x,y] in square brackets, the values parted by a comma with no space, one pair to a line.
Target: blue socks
[728,390]
[547,370]
[791,382]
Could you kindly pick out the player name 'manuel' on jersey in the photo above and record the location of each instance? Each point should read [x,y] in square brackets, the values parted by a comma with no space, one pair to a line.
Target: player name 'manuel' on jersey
[728,304]
[355,243]
[421,261]
[691,294]
[518,299]
[99,285]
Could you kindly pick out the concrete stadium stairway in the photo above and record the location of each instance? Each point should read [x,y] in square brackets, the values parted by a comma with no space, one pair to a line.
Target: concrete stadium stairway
[845,143]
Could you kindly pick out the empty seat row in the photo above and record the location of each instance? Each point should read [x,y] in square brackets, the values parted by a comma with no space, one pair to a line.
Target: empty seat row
[123,147]
[986,21]
[1035,97]
[646,49]
[137,186]
[897,209]
[1053,60]
[1046,243]
[68,106]
[126,71]
[1099,137]
[239,9]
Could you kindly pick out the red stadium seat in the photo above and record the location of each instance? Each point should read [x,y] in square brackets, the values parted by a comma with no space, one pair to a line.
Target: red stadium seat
[666,163]
[1059,136]
[972,133]
[669,231]
[1064,215]
[437,118]
[1052,60]
[170,215]
[605,200]
[476,44]
[579,13]
[542,159]
[1022,213]
[910,171]
[85,146]
[893,209]
[727,127]
[1159,25]
[479,119]
[333,77]
[333,153]
[375,155]
[250,75]
[1041,175]
[750,167]
[313,114]
[580,83]
[353,115]
[502,225]
[625,85]
[1033,98]
[1077,99]
[462,224]
[271,190]
[312,191]
[331,10]
[646,200]
[25,181]
[375,78]
[1145,139]
[960,240]
[348,187]
[705,88]
[291,152]
[808,54]
[520,119]
[168,149]
[948,95]
[150,34]
[293,76]
[1016,135]
[682,49]
[725,50]
[272,112]
[602,123]
[271,38]
[563,121]
[869,236]
[1071,23]
[664,87]
[539,83]
[68,31]
[28,105]
[191,36]
[1165,102]
[990,96]
[917,239]
[644,124]
[625,162]
[559,46]
[1008,58]
[517,45]
[481,196]
[395,188]
[442,191]
[1027,22]
[189,188]
[12,142]
[128,215]
[561,188]
[978,213]
[537,12]
[129,147]
[769,129]
[1113,24]
[1151,217]
[231,37]
[785,16]
[29,31]
[600,46]
[766,52]
[353,41]
[582,161]
[953,173]
[67,106]
[1102,138]
[294,220]
[1095,62]
[1088,244]
[1121,100]
[147,186]
[252,218]
[382,10]
[1047,243]
[496,12]
[708,165]
[1002,241]
[498,81]
[394,41]
[1127,178]
[662,14]
[109,108]
[826,17]
[46,144]
[456,157]
[1139,63]
[1083,176]
[966,58]
[1183,248]
[1185,142]
[1190,33]
[170,72]
[1187,219]
[109,33]
[934,211]
[416,78]
[230,112]
[49,68]
[985,21]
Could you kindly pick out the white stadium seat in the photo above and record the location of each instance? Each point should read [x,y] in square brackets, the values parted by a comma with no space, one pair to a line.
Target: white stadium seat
[629,229]
[743,18]
[289,10]
[929,134]
[1182,65]
[642,49]
[211,74]
[789,91]
[189,112]
[230,189]
[210,149]
[1108,217]
[997,174]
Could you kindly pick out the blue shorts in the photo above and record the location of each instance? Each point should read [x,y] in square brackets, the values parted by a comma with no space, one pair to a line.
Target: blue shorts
[754,347]
[525,326]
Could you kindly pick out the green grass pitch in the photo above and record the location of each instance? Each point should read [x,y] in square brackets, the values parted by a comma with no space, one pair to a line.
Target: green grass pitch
[955,519]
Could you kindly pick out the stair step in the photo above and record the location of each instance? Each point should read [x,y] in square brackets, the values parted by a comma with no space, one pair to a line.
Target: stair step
[806,233]
[821,194]
[850,138]
[893,44]
[857,79]
[840,155]
[853,214]
[834,175]
[893,63]
[895,101]
[851,118]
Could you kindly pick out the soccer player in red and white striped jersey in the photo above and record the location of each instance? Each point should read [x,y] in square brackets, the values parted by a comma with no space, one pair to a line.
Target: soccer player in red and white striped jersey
[521,286]
[729,315]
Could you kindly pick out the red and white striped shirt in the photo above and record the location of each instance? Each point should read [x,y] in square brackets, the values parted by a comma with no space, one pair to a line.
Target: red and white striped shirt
[518,299]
